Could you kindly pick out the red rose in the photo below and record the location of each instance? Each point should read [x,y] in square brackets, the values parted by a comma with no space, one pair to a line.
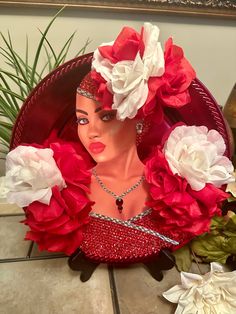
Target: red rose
[126,46]
[177,77]
[58,227]
[177,206]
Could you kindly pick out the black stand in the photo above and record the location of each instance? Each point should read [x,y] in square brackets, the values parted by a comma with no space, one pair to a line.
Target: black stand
[79,262]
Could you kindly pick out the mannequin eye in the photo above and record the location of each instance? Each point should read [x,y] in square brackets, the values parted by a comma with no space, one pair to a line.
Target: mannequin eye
[82,121]
[108,116]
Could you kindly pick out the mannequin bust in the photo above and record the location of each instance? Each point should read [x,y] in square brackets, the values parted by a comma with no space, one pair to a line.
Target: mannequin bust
[112,145]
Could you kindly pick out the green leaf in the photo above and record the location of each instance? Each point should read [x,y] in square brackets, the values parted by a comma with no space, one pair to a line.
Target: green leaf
[15,59]
[6,125]
[229,245]
[217,223]
[211,248]
[5,134]
[40,45]
[183,258]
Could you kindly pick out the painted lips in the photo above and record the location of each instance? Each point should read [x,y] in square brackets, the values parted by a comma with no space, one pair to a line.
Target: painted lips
[97,147]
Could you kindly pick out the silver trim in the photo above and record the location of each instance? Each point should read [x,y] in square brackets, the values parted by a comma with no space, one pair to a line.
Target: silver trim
[129,224]
[85,93]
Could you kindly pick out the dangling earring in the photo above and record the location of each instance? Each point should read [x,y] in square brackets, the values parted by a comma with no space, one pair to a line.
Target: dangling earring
[139,131]
[139,128]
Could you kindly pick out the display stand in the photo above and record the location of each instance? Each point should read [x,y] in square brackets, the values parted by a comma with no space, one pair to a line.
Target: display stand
[79,262]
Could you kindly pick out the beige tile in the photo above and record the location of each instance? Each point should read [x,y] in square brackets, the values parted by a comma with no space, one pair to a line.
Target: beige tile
[139,293]
[50,287]
[12,233]
[7,209]
[36,253]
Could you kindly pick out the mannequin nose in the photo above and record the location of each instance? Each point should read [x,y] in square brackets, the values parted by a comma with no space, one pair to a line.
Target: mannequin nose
[93,131]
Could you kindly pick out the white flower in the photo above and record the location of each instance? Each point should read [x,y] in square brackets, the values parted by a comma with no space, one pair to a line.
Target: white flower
[231,187]
[128,79]
[30,175]
[212,293]
[196,154]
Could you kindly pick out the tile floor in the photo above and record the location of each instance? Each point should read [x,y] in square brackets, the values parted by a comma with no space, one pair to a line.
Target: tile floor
[33,282]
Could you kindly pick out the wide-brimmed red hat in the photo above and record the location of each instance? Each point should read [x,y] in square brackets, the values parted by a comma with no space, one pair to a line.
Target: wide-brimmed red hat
[51,108]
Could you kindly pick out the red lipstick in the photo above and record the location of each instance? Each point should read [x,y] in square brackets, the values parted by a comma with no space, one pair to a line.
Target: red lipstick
[97,147]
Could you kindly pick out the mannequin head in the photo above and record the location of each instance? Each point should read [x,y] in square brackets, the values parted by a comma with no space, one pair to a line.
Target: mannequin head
[104,137]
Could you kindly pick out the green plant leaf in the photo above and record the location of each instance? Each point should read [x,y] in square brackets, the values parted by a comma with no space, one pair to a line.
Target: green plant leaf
[6,125]
[5,134]
[183,258]
[14,58]
[83,49]
[211,248]
[40,45]
[19,77]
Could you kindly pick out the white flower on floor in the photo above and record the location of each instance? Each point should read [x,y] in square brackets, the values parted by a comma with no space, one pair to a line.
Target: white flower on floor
[196,154]
[30,174]
[212,293]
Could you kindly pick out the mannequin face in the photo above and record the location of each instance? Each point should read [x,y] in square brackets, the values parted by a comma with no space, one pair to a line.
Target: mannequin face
[104,137]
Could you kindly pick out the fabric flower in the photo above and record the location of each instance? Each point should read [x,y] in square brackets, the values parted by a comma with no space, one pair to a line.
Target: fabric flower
[177,77]
[30,175]
[59,225]
[127,64]
[214,292]
[231,187]
[196,154]
[179,208]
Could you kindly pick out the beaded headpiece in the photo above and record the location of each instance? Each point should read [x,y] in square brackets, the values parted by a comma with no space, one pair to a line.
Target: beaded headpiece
[88,87]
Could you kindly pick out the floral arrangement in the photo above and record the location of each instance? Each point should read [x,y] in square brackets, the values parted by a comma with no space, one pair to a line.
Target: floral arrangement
[213,292]
[52,192]
[133,72]
[184,178]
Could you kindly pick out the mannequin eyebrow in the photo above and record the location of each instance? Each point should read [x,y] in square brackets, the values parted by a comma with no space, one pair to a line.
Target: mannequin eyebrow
[98,109]
[81,111]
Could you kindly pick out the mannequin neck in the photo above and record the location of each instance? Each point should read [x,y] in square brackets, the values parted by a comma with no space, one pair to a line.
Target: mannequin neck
[123,167]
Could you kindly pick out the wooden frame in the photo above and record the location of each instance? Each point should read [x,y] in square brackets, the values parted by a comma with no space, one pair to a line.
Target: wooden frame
[210,8]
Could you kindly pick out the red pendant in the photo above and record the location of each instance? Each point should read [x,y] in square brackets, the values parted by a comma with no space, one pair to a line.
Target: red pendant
[119,203]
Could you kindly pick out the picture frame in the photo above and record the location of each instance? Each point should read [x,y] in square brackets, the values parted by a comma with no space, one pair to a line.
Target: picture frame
[210,8]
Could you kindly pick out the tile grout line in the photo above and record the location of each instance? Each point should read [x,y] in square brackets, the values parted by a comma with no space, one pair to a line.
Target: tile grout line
[30,249]
[114,296]
[27,259]
[11,215]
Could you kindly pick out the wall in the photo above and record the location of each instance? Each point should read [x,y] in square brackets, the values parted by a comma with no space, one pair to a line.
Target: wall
[209,44]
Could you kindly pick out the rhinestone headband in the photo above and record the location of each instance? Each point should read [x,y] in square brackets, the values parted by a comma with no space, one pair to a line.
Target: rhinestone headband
[88,87]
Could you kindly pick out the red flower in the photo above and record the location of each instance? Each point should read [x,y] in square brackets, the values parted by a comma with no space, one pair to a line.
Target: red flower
[103,94]
[59,226]
[126,46]
[177,77]
[177,206]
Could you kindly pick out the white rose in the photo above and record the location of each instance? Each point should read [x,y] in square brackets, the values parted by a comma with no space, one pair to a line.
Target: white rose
[30,175]
[214,292]
[128,80]
[196,154]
